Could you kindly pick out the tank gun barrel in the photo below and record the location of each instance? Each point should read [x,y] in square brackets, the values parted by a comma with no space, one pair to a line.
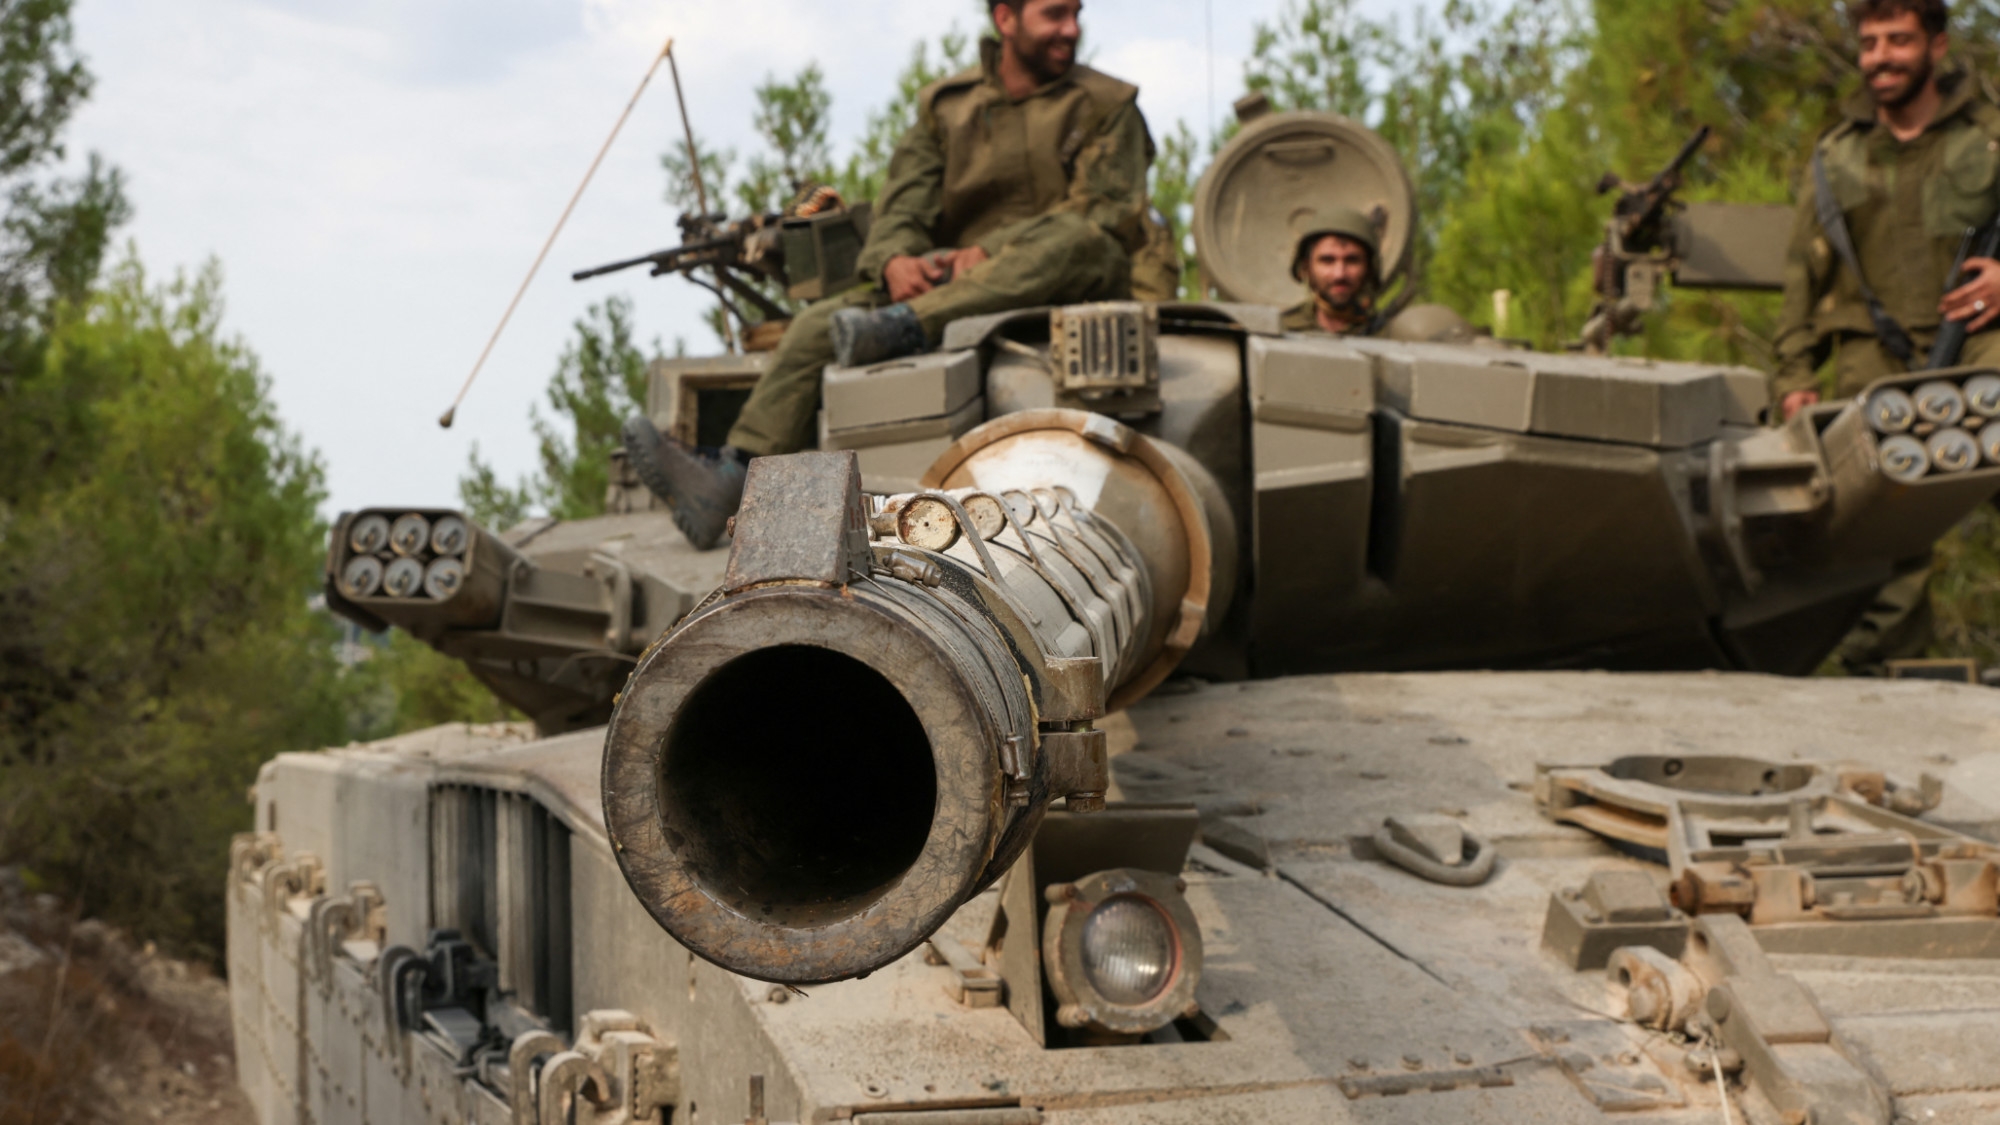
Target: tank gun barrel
[862,728]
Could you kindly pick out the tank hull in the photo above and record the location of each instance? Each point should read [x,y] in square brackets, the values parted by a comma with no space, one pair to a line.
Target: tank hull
[1328,970]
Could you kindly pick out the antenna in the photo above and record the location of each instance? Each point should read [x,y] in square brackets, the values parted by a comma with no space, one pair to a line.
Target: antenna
[700,189]
[451,412]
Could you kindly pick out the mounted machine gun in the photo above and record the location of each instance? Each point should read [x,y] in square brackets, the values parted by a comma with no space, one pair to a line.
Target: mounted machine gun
[807,251]
[1652,235]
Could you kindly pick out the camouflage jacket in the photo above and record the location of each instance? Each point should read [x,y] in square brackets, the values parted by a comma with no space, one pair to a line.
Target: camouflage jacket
[1908,205]
[978,164]
[1304,317]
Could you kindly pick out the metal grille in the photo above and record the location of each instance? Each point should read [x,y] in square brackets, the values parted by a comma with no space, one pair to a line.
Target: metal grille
[1105,348]
[500,876]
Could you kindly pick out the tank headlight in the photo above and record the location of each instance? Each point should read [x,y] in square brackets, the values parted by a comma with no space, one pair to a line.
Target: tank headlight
[1128,950]
[1122,951]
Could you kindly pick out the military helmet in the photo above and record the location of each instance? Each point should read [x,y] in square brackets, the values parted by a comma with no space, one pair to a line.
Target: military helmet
[1309,227]
[1281,178]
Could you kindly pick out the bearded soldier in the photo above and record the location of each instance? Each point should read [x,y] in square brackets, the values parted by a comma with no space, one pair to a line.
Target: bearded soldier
[1336,260]
[1022,183]
[1911,166]
[1886,203]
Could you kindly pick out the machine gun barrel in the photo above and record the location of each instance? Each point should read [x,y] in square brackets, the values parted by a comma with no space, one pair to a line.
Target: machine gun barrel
[1642,207]
[862,728]
[662,261]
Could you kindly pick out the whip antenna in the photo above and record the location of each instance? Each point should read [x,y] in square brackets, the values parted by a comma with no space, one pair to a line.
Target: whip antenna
[700,189]
[451,412]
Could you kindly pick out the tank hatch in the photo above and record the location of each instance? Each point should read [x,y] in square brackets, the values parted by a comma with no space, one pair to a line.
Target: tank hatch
[1267,185]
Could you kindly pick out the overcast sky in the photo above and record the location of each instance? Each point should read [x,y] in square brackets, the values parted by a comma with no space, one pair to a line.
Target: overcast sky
[376,175]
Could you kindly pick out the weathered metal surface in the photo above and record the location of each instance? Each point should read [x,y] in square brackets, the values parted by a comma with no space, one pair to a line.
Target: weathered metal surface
[803,520]
[1323,975]
[709,792]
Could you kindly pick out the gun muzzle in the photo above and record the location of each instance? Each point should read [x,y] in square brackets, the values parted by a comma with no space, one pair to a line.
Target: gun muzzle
[862,728]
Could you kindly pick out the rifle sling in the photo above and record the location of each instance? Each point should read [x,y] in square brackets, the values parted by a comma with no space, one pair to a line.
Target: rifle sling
[1888,333]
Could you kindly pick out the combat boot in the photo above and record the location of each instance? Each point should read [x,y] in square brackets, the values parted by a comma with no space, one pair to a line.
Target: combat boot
[865,336]
[701,489]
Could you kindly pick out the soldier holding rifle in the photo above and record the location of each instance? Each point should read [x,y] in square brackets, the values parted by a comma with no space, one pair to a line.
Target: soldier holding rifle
[1022,183]
[1912,166]
[1877,267]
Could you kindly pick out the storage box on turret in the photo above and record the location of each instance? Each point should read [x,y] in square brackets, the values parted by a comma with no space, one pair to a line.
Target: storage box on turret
[900,415]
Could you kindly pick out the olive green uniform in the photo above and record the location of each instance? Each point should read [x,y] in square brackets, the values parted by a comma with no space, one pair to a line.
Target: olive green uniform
[1052,186]
[1304,317]
[1907,205]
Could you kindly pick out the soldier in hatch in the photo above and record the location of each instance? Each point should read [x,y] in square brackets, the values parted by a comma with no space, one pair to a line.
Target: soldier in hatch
[1886,202]
[1022,183]
[1336,260]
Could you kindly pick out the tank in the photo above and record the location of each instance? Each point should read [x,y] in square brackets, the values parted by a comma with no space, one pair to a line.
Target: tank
[1135,713]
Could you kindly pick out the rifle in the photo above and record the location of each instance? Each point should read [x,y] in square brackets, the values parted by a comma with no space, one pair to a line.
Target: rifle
[1979,242]
[1636,251]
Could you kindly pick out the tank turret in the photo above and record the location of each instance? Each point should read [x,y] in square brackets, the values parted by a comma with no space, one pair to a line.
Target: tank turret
[929,619]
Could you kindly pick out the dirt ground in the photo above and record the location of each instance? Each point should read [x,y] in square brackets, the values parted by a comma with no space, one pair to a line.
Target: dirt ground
[93,1029]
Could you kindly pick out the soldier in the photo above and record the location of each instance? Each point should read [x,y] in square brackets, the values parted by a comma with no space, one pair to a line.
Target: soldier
[1336,260]
[1913,163]
[1022,183]
[1886,203]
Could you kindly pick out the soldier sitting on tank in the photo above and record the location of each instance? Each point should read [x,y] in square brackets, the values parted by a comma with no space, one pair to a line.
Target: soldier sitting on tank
[1910,167]
[1022,183]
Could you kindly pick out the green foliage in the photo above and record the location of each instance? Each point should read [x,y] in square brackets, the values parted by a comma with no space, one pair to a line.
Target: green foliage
[1173,178]
[156,643]
[407,685]
[862,175]
[791,120]
[682,193]
[52,231]
[600,381]
[1445,92]
[1965,590]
